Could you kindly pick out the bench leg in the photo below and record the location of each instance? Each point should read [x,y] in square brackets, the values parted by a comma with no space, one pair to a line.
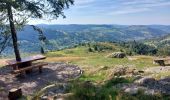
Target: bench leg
[28,71]
[162,63]
[23,74]
[40,69]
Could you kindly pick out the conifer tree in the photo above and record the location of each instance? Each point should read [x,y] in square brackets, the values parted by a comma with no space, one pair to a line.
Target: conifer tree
[18,11]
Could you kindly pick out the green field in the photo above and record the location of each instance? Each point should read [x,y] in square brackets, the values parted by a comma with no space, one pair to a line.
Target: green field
[93,62]
[97,59]
[98,69]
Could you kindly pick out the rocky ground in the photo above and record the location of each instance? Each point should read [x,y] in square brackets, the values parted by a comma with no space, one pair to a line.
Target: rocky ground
[61,73]
[158,69]
[144,81]
[148,85]
[52,73]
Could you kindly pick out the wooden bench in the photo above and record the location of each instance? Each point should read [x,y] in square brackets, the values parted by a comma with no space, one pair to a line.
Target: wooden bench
[26,64]
[28,68]
[161,61]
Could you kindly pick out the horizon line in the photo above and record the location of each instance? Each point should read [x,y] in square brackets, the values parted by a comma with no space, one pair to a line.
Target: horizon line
[107,24]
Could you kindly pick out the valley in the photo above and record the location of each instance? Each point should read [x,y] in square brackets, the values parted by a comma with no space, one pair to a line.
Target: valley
[65,36]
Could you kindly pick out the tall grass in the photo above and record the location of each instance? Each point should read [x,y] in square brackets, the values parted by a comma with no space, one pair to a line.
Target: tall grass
[90,91]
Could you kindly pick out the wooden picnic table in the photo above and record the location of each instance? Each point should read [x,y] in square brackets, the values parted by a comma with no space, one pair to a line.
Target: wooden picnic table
[25,61]
[161,61]
[26,64]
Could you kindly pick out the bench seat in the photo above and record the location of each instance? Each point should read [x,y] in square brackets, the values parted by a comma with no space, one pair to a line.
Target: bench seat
[36,65]
[160,62]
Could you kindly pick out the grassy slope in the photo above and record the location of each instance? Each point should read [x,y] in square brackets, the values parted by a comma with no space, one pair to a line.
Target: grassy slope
[98,70]
[93,62]
[82,57]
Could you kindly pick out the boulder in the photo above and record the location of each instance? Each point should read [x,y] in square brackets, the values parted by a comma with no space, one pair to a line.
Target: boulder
[146,81]
[117,55]
[123,70]
[131,91]
[150,92]
[119,71]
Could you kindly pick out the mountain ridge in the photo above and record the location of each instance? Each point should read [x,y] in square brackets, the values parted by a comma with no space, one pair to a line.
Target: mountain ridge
[62,36]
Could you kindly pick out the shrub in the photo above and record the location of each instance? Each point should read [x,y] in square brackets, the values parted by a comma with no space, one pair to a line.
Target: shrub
[90,49]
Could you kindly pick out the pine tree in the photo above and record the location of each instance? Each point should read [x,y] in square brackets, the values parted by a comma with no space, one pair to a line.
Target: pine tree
[11,10]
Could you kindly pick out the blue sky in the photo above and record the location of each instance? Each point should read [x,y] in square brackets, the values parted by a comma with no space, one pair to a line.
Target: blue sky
[125,12]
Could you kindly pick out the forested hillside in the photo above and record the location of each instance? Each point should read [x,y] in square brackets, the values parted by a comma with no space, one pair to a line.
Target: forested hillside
[162,43]
[62,36]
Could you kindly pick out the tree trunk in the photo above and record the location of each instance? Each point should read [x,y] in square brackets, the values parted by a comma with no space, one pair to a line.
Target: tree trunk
[13,33]
[15,94]
[42,50]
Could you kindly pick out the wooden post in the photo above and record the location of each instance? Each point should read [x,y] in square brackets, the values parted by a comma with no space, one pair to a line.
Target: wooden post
[15,94]
[40,69]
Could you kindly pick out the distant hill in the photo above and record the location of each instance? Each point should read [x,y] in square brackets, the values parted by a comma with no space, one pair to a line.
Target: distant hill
[61,36]
[96,32]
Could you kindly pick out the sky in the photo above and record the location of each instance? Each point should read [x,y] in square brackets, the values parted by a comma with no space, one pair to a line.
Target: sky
[123,12]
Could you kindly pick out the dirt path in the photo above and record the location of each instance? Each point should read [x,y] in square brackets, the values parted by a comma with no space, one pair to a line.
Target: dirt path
[3,62]
[52,73]
[158,69]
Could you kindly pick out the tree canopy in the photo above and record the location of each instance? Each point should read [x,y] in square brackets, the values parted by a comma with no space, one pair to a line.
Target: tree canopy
[37,8]
[16,12]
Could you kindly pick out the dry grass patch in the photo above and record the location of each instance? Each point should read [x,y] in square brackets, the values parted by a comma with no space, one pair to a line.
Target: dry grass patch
[63,59]
[140,57]
[3,62]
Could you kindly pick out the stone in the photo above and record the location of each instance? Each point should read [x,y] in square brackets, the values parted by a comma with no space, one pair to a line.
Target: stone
[141,71]
[44,98]
[150,92]
[15,94]
[117,55]
[146,81]
[135,72]
[120,71]
[131,91]
[130,70]
[137,77]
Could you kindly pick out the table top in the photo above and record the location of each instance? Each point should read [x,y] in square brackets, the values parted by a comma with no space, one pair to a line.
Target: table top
[167,58]
[27,59]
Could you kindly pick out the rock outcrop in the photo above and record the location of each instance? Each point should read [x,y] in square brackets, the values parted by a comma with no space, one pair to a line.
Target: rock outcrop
[117,55]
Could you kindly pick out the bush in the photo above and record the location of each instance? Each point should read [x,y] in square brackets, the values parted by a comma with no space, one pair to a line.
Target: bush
[138,48]
[90,49]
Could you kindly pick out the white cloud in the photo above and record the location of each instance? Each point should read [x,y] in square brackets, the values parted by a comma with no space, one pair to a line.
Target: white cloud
[157,4]
[147,3]
[129,11]
[136,6]
[103,11]
[134,2]
[83,2]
